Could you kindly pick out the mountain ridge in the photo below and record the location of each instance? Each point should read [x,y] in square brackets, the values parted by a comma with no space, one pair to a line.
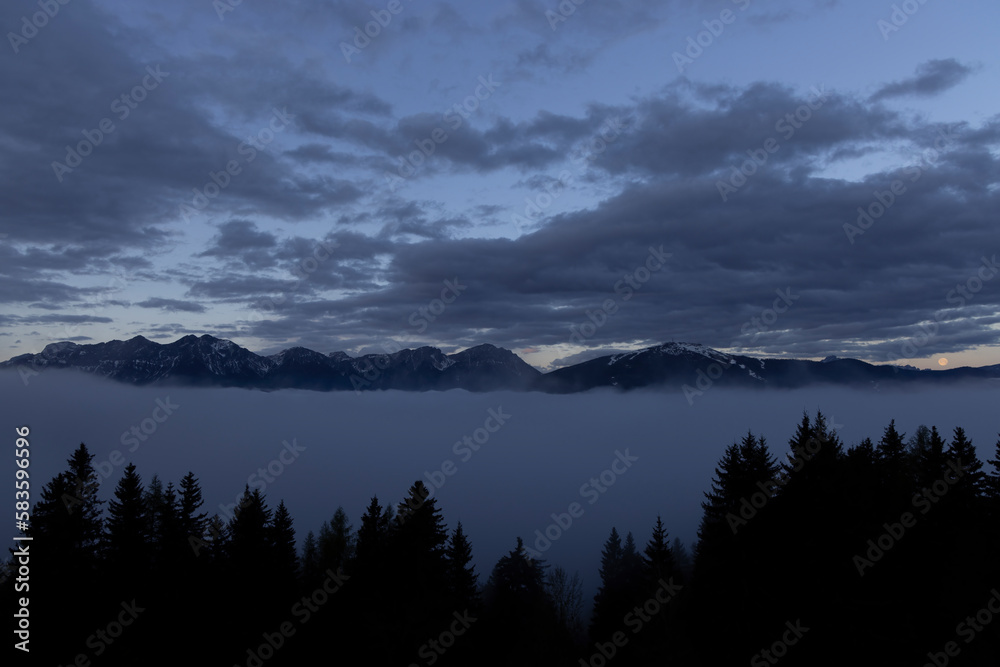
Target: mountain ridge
[691,367]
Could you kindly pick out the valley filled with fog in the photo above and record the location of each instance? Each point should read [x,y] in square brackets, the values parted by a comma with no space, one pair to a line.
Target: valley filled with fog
[318,451]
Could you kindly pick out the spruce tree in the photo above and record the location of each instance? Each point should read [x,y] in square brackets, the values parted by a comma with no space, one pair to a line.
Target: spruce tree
[284,556]
[193,522]
[462,577]
[421,535]
[966,501]
[310,562]
[993,481]
[372,544]
[682,557]
[658,557]
[891,449]
[67,532]
[128,540]
[607,601]
[930,460]
[83,503]
[419,541]
[249,531]
[520,618]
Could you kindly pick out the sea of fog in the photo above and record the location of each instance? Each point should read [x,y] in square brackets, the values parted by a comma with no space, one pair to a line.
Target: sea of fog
[649,453]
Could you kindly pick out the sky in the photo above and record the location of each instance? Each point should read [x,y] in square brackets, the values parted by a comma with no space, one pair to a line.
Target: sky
[795,179]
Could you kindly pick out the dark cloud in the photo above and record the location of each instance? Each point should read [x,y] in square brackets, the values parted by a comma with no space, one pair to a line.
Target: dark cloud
[931,78]
[172,305]
[783,232]
[302,235]
[64,319]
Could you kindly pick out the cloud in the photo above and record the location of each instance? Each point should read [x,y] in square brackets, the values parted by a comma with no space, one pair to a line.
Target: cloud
[932,78]
[172,305]
[64,319]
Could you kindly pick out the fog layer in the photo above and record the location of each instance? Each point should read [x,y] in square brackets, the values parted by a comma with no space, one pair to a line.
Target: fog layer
[514,459]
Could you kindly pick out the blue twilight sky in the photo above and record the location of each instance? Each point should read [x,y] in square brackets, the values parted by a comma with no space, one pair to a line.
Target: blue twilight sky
[784,178]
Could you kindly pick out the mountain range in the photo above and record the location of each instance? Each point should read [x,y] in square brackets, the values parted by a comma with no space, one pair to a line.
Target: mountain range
[209,361]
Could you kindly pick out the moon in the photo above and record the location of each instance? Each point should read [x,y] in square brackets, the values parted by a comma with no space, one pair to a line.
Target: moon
[942,361]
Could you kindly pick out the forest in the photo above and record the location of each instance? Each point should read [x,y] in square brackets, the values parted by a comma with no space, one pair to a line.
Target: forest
[882,553]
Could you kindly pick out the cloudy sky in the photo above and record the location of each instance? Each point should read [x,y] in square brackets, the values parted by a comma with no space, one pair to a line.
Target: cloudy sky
[800,179]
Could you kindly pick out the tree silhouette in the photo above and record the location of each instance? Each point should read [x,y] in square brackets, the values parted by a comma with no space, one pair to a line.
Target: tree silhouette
[462,578]
[128,539]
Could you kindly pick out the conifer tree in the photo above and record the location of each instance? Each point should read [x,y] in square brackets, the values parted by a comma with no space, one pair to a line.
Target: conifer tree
[658,557]
[612,591]
[193,522]
[67,517]
[519,613]
[462,577]
[993,480]
[249,531]
[967,498]
[310,562]
[172,537]
[371,547]
[517,580]
[84,503]
[67,531]
[127,544]
[682,557]
[419,541]
[421,536]
[285,557]
[336,541]
[930,460]
[891,450]
[720,505]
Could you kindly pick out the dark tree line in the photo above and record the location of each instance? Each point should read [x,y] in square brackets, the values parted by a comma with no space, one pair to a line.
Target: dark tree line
[873,554]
